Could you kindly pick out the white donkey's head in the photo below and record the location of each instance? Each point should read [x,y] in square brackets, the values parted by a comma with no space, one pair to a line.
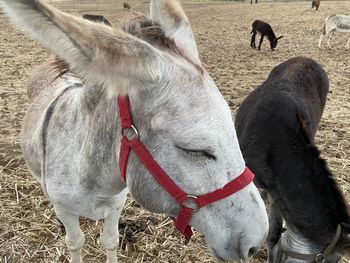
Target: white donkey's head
[183,119]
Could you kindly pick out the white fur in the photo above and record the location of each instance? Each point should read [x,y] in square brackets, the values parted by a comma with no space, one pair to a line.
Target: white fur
[182,35]
[332,24]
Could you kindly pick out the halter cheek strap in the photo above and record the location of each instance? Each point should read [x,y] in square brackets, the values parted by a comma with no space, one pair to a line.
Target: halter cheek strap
[188,203]
[318,258]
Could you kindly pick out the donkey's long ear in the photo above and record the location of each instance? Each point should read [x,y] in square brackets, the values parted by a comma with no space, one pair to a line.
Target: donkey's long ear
[96,52]
[305,122]
[279,38]
[172,18]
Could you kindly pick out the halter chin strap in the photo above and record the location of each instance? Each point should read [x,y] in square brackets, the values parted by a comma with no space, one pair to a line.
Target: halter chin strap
[318,257]
[188,203]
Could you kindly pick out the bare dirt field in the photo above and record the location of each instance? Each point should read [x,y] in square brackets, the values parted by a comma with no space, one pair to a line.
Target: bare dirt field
[28,227]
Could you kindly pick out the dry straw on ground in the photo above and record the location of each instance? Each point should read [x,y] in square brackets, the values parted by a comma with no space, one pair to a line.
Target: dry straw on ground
[29,231]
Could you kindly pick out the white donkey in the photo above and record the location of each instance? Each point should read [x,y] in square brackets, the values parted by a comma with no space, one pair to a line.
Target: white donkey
[340,23]
[71,132]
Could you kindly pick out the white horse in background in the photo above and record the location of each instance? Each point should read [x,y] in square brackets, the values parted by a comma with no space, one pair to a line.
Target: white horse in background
[340,23]
[71,132]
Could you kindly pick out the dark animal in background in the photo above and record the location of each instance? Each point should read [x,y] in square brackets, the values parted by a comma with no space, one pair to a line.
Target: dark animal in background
[264,29]
[97,18]
[276,125]
[315,3]
[251,1]
[126,6]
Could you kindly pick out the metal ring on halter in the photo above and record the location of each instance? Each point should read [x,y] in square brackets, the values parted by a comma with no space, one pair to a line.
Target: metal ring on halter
[133,128]
[320,258]
[194,200]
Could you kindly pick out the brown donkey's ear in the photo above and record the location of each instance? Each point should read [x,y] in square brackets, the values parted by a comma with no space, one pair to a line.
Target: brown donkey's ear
[98,53]
[279,37]
[305,123]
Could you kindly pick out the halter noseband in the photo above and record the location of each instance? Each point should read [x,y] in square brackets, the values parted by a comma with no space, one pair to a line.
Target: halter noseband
[318,257]
[188,203]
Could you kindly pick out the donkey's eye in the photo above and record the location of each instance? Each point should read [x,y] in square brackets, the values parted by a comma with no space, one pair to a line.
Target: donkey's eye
[197,153]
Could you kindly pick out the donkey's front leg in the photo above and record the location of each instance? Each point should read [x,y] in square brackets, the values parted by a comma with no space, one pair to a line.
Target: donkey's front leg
[110,235]
[320,41]
[329,39]
[261,40]
[347,44]
[75,238]
[252,42]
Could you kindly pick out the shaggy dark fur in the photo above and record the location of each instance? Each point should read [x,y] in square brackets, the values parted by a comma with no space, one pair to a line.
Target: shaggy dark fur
[276,125]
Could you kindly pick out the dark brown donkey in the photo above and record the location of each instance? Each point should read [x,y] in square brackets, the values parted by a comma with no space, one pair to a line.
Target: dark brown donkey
[264,29]
[126,6]
[276,126]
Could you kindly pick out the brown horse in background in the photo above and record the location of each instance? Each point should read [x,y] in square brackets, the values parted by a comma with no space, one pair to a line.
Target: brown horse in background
[315,3]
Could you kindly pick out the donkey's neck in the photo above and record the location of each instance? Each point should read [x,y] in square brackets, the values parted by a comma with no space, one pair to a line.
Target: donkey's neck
[271,36]
[103,128]
[310,194]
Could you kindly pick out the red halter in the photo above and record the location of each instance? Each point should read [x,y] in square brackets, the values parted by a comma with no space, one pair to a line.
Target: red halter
[164,180]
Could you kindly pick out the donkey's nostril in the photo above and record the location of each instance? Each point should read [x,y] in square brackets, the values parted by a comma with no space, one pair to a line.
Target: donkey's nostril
[252,251]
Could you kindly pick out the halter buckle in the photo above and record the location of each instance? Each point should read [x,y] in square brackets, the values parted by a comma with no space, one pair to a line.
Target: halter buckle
[134,131]
[320,258]
[191,202]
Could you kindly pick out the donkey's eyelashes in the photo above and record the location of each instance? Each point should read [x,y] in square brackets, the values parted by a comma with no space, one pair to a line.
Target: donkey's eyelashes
[197,153]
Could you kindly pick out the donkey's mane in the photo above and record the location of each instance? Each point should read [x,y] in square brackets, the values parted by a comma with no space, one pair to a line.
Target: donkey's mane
[312,202]
[331,200]
[336,207]
[143,28]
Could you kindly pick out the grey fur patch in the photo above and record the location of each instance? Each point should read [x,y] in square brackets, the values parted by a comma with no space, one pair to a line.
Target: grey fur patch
[344,23]
[45,126]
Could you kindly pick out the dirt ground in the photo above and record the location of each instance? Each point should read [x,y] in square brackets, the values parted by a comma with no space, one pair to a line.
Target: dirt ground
[28,228]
